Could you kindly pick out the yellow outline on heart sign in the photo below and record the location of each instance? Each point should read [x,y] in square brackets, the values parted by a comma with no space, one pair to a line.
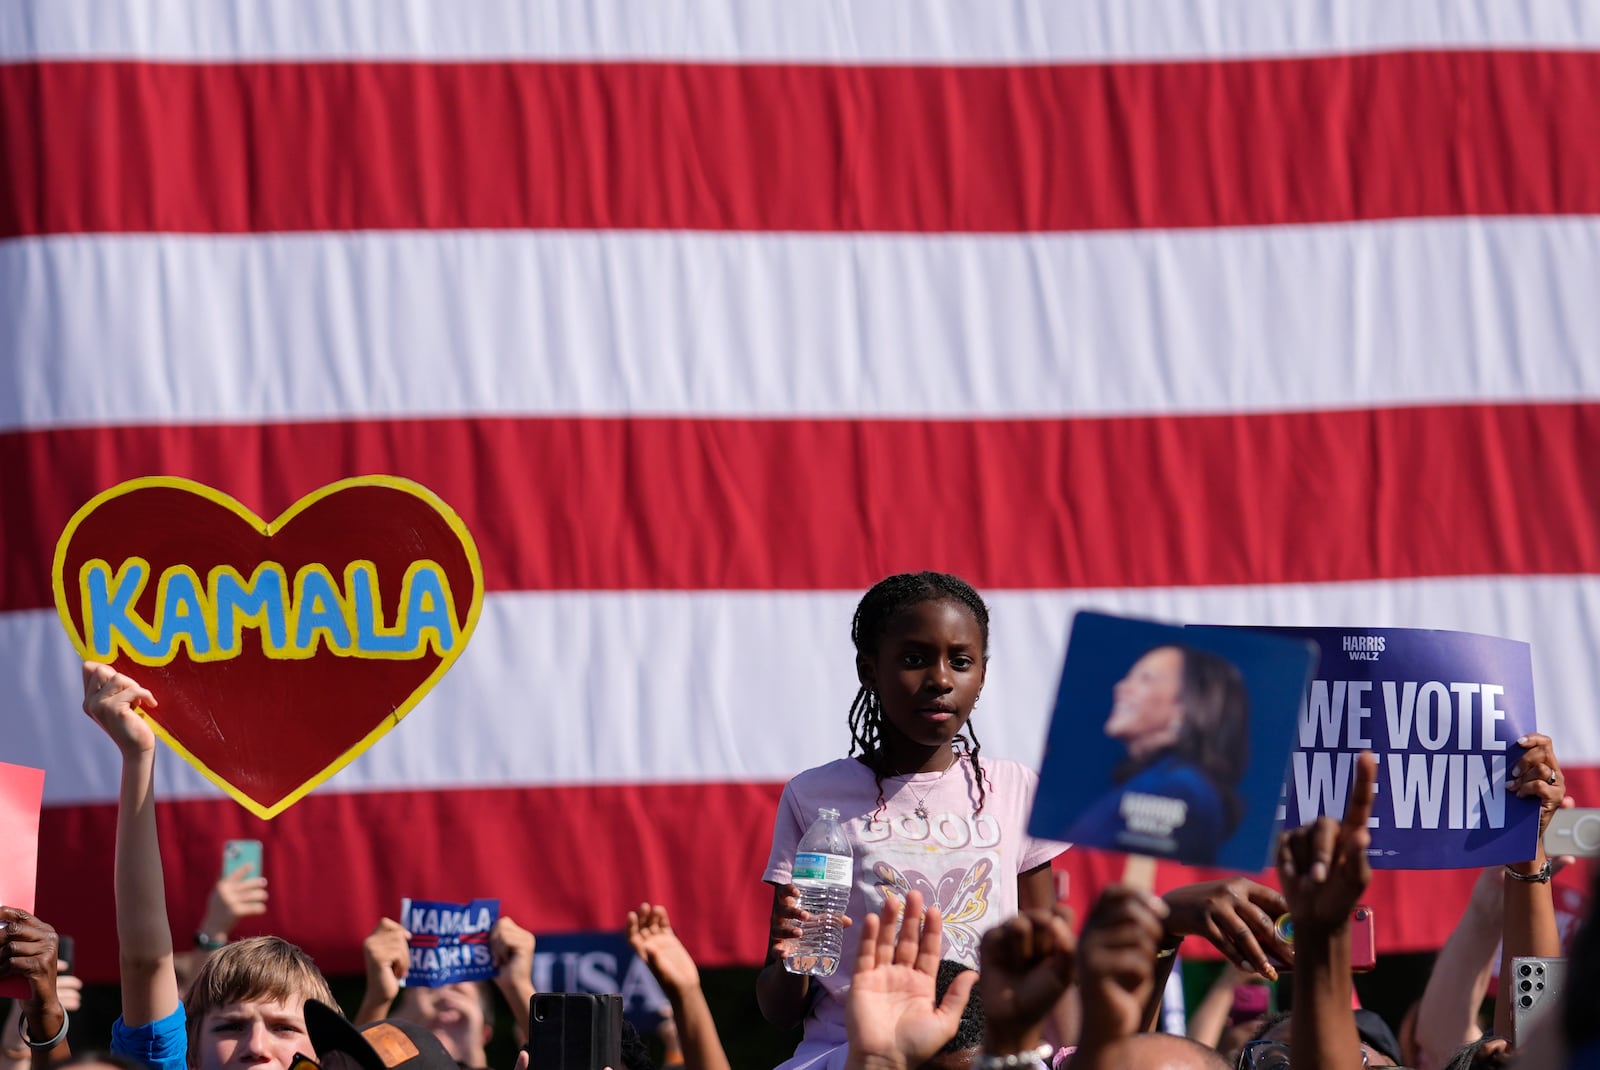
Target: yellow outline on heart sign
[332,622]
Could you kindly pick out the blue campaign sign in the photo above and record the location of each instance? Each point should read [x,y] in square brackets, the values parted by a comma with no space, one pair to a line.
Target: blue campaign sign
[449,941]
[1171,741]
[1442,711]
[599,962]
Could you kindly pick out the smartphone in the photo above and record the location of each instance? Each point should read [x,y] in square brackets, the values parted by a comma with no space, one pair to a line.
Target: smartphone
[575,1031]
[236,853]
[1535,983]
[1363,940]
[1573,832]
[64,952]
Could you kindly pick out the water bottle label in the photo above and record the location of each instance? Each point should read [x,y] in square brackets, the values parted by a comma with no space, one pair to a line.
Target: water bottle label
[829,869]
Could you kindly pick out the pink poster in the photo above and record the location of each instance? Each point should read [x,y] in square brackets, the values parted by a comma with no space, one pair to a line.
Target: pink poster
[21,792]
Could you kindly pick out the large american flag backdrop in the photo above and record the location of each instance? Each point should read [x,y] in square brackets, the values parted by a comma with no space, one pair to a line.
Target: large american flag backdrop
[705,316]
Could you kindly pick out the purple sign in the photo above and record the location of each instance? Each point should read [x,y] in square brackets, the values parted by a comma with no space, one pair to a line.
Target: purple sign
[1442,711]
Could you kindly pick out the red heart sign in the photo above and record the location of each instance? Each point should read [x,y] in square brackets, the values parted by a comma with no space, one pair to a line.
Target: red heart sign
[279,650]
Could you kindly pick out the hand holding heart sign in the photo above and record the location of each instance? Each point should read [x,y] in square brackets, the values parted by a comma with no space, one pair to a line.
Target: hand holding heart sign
[281,649]
[113,702]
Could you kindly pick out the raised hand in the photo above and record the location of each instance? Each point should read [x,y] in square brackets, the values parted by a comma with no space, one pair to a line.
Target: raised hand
[29,949]
[1116,963]
[1537,775]
[1323,866]
[511,950]
[1028,965]
[1237,915]
[891,1014]
[144,936]
[235,896]
[387,953]
[69,989]
[113,701]
[652,939]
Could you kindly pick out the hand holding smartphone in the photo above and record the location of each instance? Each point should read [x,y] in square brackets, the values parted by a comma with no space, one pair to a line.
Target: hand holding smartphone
[1363,940]
[574,1031]
[236,853]
[1536,985]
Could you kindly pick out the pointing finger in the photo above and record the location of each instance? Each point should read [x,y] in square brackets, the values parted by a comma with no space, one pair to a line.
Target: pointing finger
[1359,809]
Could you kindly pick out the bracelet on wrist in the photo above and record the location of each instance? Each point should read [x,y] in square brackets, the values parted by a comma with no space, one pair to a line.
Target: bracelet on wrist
[1033,1057]
[45,1045]
[1540,876]
[206,942]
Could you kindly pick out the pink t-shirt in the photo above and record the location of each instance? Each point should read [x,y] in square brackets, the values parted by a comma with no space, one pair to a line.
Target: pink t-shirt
[964,861]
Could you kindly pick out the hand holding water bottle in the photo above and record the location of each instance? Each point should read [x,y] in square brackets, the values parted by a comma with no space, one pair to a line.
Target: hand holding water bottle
[823,873]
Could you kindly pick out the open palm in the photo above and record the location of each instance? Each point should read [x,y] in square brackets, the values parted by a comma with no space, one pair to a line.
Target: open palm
[652,939]
[891,1014]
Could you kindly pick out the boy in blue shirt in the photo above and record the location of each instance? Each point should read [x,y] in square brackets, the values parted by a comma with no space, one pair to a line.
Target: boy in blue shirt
[245,1008]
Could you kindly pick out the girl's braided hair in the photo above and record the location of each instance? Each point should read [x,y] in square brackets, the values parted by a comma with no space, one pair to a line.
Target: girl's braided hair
[887,599]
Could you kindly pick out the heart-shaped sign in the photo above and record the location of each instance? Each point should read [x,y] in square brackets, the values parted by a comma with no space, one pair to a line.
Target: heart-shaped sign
[279,650]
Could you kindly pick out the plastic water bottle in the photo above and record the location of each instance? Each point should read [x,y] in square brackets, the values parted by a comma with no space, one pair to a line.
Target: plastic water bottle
[823,871]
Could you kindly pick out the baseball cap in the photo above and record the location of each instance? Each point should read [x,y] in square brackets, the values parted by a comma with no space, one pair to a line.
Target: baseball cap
[391,1044]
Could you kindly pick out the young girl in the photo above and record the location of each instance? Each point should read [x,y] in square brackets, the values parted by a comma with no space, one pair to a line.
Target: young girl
[919,808]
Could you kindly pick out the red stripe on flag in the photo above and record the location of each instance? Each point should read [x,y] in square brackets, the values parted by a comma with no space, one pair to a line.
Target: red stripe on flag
[559,859]
[615,504]
[244,147]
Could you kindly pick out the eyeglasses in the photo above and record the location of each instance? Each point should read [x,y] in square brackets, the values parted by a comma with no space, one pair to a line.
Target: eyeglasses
[1265,1055]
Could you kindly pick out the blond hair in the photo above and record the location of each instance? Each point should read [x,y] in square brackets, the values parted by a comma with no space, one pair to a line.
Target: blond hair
[262,967]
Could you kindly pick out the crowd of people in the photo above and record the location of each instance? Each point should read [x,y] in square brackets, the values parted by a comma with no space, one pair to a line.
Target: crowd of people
[957,952]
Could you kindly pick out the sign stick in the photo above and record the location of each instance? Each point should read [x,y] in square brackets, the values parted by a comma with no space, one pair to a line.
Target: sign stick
[1139,873]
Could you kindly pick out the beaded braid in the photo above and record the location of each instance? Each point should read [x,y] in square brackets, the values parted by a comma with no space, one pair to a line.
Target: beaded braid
[887,599]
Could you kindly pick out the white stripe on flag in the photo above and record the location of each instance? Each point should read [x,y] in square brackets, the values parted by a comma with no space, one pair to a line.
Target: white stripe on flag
[843,31]
[595,687]
[755,325]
